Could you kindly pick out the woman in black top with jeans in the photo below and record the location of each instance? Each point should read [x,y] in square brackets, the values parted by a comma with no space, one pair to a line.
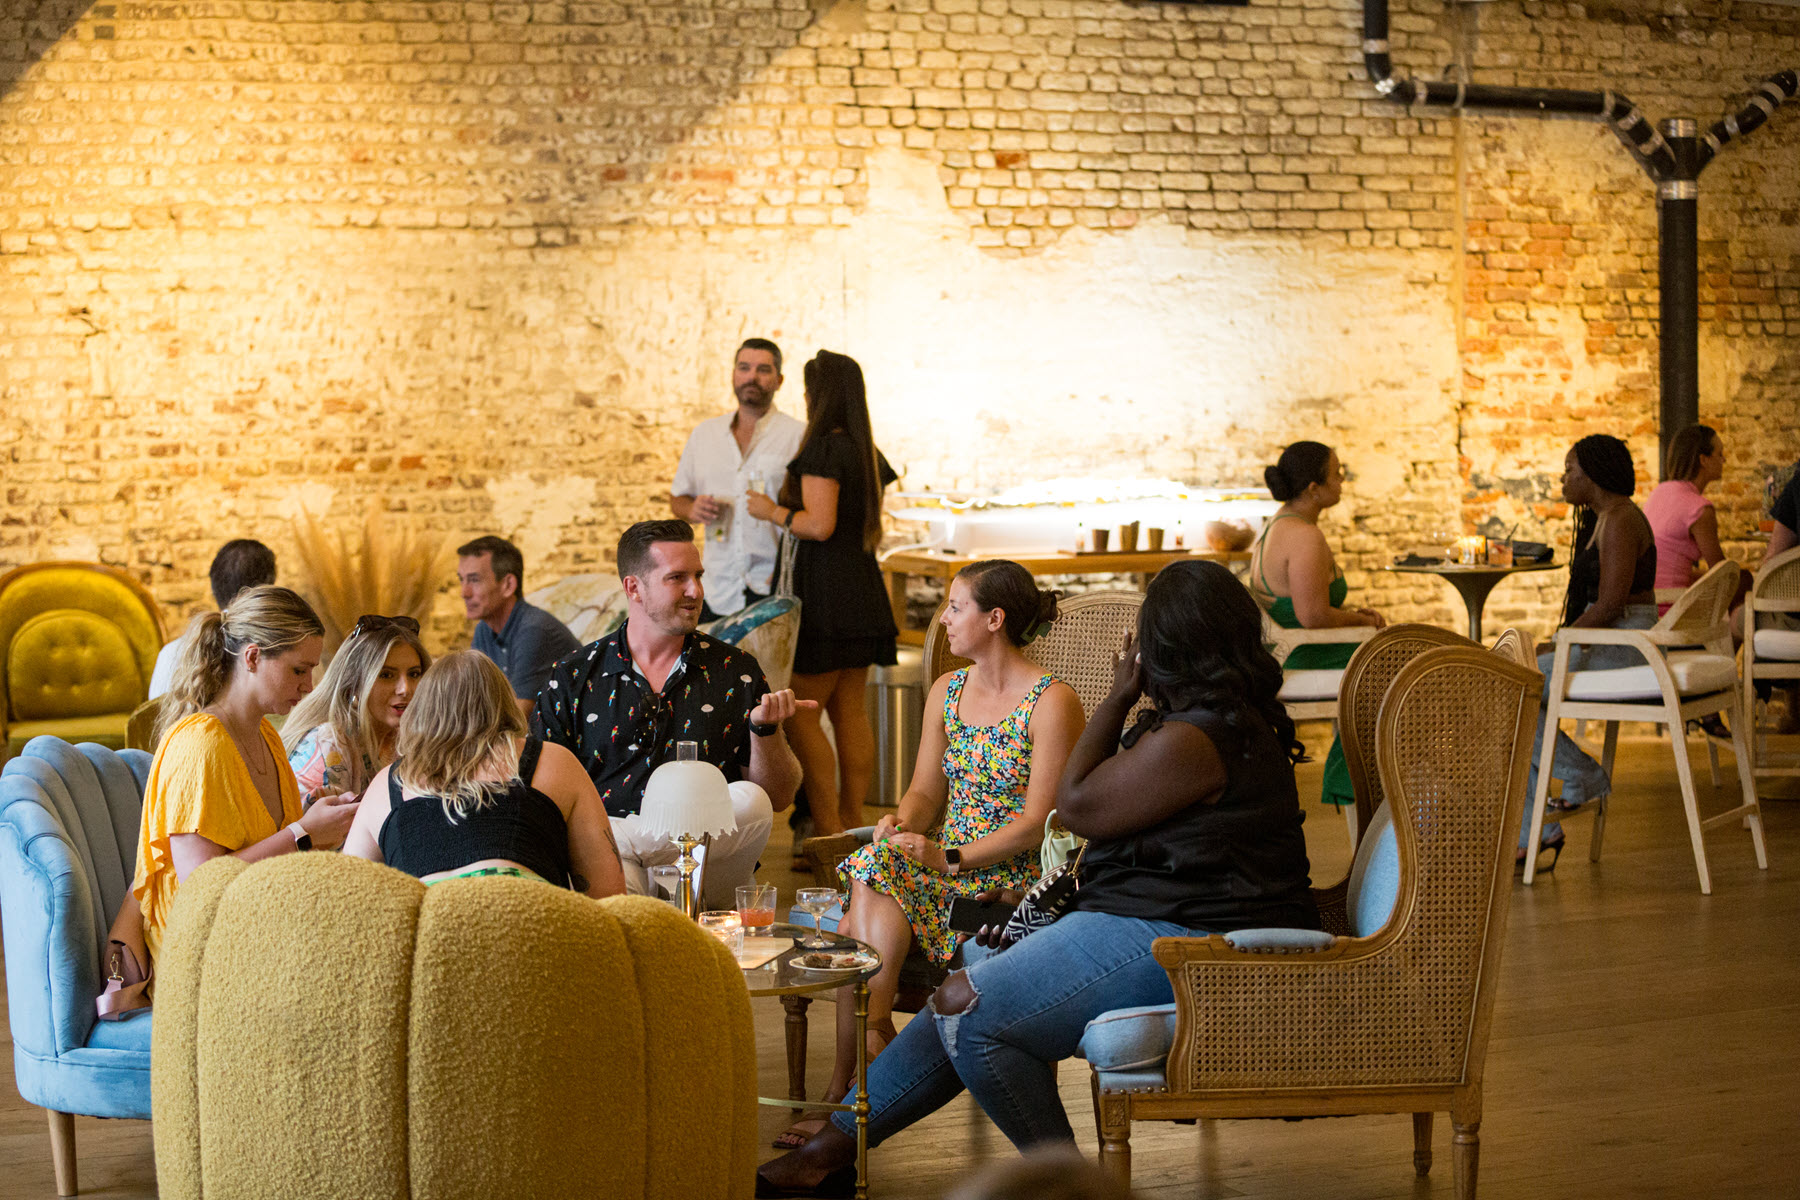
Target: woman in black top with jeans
[1612,585]
[1194,828]
[471,795]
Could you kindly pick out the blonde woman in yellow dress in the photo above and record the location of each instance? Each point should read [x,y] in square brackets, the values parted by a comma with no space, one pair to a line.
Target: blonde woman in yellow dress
[220,783]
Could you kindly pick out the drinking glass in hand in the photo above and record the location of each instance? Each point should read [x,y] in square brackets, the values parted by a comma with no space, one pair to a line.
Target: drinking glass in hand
[756,905]
[818,902]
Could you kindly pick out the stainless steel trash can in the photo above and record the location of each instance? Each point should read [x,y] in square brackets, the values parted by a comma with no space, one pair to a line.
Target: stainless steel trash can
[896,703]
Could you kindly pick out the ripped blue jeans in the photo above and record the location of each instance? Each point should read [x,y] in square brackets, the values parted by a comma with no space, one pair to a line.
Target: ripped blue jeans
[1032,1003]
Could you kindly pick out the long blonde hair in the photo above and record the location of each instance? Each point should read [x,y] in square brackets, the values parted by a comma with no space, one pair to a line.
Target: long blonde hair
[461,723]
[341,700]
[273,619]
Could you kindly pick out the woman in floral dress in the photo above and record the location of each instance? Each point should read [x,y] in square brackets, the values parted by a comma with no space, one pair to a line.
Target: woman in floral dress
[993,747]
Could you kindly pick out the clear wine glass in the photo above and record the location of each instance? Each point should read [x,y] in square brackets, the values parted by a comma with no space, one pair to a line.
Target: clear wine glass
[818,902]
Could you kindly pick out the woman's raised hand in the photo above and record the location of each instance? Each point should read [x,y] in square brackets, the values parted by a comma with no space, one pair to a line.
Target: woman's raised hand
[328,820]
[887,827]
[1128,672]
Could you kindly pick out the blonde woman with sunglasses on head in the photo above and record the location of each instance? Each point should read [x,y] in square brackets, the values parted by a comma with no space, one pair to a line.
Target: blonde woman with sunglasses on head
[341,735]
[471,794]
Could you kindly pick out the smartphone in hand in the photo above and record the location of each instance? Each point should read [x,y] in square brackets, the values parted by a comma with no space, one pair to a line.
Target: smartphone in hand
[967,915]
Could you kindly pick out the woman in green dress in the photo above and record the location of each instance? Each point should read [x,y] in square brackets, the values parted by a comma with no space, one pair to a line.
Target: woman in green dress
[1297,582]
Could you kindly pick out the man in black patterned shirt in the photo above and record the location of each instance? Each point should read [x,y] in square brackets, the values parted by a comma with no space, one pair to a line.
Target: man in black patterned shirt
[621,703]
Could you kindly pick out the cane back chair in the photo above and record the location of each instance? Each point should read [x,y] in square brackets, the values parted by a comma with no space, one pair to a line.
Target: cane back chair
[1393,1021]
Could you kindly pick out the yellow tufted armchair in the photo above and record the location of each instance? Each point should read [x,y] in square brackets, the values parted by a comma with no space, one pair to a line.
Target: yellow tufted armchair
[328,1027]
[77,644]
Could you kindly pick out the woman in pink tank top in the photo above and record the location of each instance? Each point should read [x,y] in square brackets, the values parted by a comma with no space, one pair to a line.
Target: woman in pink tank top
[1683,519]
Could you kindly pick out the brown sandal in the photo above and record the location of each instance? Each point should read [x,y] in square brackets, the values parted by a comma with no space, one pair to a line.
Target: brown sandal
[802,1130]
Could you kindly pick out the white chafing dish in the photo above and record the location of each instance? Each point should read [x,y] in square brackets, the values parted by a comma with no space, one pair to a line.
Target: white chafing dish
[1056,514]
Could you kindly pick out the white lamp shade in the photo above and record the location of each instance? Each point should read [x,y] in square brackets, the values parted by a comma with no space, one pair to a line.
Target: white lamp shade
[690,799]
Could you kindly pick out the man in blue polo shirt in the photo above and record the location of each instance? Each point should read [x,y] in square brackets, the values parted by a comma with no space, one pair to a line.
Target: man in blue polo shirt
[524,640]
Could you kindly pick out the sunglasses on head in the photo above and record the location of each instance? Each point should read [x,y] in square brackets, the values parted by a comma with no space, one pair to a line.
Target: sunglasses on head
[370,622]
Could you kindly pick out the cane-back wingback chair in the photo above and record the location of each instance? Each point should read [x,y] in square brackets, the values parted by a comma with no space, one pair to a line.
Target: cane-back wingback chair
[1772,653]
[78,643]
[1364,686]
[1515,645]
[1689,671]
[1392,1021]
[1080,648]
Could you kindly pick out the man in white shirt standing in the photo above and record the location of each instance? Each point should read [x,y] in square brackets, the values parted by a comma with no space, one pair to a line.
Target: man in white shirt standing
[726,456]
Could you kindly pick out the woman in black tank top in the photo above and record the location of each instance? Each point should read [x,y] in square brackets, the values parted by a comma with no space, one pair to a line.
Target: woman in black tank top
[470,794]
[1612,585]
[1193,827]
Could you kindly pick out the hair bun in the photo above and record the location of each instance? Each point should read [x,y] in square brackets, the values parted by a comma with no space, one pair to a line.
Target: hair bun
[1277,484]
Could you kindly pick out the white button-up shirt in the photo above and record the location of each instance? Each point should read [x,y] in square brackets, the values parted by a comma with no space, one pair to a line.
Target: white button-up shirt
[740,550]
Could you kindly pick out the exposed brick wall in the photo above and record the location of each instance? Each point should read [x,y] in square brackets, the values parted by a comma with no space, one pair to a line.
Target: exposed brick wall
[486,262]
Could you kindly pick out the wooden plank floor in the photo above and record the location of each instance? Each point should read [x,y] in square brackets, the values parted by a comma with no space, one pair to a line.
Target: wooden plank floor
[1646,1044]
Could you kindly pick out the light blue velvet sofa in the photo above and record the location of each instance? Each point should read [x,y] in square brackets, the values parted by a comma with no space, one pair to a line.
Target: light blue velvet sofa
[68,848]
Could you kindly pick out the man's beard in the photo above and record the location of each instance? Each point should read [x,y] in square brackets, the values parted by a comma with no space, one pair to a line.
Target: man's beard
[751,395]
[672,618]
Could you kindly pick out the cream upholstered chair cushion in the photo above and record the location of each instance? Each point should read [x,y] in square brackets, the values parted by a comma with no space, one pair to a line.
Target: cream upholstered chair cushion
[1778,643]
[1297,686]
[1695,672]
[330,1027]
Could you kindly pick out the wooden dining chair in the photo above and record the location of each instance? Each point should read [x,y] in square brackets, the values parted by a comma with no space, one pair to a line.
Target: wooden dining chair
[1689,672]
[1771,653]
[1312,695]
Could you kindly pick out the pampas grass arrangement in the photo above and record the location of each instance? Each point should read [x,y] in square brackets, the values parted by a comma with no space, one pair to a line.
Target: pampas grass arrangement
[395,570]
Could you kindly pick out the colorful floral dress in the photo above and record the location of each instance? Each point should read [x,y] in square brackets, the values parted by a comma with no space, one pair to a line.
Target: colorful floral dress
[987,768]
[318,762]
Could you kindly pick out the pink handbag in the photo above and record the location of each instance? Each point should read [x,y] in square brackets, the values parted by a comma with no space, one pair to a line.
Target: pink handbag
[127,981]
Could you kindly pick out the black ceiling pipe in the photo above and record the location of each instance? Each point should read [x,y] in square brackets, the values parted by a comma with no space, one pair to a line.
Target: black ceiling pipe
[1673,158]
[1678,284]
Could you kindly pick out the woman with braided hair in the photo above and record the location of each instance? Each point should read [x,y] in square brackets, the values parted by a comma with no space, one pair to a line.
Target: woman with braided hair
[1612,585]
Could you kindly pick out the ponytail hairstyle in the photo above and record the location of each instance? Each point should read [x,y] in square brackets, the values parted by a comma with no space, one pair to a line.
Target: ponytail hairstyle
[1200,645]
[341,700]
[1607,462]
[1003,584]
[1300,465]
[461,723]
[1686,450]
[273,619]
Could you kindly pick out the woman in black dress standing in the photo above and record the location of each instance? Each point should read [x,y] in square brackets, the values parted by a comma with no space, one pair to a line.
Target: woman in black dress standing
[831,502]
